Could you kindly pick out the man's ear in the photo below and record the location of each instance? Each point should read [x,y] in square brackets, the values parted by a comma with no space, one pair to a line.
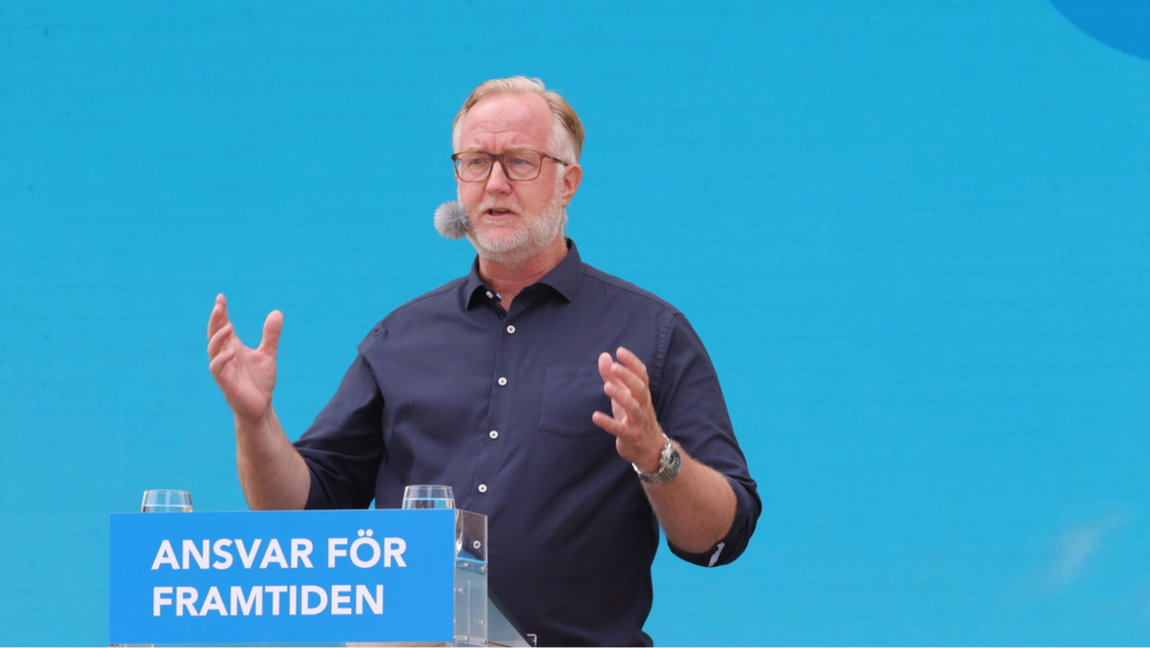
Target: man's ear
[571,180]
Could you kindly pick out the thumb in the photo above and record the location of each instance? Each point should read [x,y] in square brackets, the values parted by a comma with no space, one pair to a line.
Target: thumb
[273,325]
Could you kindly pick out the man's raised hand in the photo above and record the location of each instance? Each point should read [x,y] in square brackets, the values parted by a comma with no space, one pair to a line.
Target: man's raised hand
[246,376]
[638,437]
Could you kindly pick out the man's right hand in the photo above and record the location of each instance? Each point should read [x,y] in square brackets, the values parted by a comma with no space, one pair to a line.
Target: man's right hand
[246,376]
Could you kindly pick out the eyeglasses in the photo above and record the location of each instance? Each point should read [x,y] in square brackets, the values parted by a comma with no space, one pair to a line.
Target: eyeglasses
[475,166]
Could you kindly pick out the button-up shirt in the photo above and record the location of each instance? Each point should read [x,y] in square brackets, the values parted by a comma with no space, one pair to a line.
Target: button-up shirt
[450,388]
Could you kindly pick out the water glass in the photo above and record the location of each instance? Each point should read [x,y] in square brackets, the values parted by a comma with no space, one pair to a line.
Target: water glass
[428,496]
[166,500]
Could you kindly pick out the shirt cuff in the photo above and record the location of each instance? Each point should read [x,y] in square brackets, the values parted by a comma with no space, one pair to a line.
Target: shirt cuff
[747,509]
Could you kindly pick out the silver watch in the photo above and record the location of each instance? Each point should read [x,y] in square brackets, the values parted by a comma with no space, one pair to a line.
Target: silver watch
[669,464]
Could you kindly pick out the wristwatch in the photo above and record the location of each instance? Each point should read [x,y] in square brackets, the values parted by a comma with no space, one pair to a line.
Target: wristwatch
[669,464]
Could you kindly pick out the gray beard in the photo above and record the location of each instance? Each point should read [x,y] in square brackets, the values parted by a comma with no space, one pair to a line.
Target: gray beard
[536,235]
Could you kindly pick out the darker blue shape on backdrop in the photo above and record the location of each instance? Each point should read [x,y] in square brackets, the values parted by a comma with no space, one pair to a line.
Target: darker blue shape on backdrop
[1121,24]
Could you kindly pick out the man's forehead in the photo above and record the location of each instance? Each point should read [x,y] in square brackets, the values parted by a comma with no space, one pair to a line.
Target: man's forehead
[518,116]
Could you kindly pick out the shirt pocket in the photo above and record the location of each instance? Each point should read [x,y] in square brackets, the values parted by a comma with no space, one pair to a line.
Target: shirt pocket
[571,394]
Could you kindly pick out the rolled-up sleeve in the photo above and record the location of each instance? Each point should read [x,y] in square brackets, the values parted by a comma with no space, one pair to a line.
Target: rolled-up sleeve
[691,409]
[343,448]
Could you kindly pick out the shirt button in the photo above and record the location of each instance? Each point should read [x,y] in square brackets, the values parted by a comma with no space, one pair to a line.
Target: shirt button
[494,434]
[483,488]
[490,295]
[502,381]
[510,328]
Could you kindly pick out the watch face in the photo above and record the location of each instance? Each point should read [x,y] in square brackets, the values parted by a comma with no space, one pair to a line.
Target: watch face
[670,462]
[674,463]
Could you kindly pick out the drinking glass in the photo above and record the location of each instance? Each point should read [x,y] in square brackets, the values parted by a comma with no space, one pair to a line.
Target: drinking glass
[428,496]
[166,500]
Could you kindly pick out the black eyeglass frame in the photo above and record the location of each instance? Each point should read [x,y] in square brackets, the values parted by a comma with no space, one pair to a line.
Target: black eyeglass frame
[498,157]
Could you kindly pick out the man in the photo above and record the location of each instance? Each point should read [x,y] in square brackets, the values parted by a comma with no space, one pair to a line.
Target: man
[577,411]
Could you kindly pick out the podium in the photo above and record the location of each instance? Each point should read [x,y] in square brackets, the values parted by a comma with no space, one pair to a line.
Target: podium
[304,577]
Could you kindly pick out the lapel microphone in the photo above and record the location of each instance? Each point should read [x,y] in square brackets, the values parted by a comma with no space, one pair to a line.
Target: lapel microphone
[451,220]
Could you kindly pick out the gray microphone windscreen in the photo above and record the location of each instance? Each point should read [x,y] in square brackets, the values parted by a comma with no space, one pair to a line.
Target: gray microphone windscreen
[451,220]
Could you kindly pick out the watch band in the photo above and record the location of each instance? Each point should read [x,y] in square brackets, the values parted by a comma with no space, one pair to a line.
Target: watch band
[670,462]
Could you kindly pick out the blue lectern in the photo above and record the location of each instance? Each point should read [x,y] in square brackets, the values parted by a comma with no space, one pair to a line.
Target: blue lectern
[303,577]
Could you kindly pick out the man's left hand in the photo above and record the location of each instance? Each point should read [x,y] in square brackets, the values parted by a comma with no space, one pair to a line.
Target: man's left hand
[638,436]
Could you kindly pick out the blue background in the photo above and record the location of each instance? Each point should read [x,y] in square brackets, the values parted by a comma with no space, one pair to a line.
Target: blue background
[914,237]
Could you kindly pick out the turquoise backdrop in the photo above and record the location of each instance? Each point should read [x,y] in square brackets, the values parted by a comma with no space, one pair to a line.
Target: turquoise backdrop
[915,237]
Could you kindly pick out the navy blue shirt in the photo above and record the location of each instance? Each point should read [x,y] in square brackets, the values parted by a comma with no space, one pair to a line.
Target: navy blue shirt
[451,389]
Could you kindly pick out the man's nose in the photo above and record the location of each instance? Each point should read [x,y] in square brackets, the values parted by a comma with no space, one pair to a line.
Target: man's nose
[497,182]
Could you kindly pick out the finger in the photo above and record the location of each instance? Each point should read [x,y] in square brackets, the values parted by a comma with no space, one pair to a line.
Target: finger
[622,397]
[220,360]
[609,425]
[632,362]
[613,372]
[605,363]
[220,338]
[626,377]
[219,315]
[273,325]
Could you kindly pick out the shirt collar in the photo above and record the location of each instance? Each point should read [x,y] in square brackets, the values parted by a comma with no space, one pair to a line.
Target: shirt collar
[563,278]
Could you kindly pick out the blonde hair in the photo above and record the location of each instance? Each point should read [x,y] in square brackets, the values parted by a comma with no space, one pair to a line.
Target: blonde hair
[566,139]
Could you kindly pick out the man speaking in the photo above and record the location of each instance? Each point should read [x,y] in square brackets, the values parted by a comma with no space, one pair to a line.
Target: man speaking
[578,412]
